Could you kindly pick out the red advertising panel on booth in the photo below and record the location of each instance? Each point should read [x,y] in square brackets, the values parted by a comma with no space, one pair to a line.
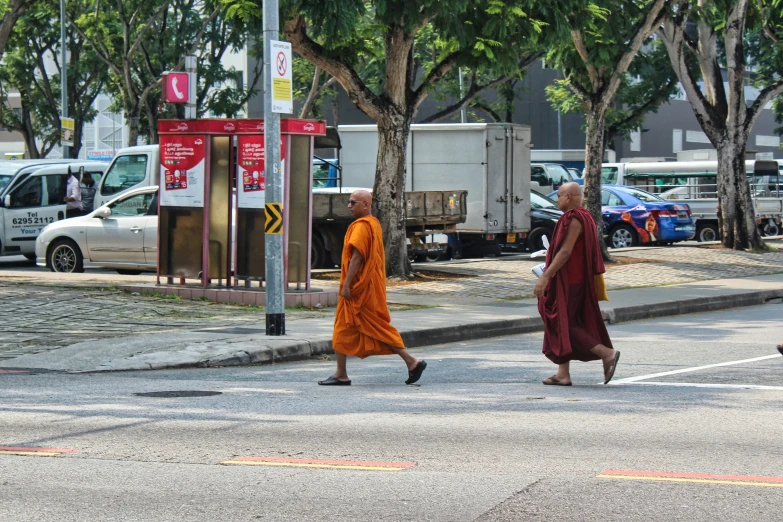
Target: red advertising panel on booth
[182,171]
[251,171]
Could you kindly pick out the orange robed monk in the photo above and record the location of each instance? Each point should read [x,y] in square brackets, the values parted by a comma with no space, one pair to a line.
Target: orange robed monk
[362,325]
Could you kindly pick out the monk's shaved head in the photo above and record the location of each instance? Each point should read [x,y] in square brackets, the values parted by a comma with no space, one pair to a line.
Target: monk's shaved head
[569,196]
[360,203]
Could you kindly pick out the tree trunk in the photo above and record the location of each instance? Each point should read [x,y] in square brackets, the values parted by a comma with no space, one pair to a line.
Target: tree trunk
[133,128]
[736,210]
[594,157]
[389,192]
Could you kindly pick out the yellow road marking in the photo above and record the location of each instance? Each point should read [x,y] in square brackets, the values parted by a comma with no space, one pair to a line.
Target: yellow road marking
[300,465]
[34,453]
[699,481]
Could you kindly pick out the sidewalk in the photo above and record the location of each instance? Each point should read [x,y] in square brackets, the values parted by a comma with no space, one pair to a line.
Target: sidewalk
[453,320]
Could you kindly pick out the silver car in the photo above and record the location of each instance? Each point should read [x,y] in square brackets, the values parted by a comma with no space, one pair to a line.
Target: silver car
[123,235]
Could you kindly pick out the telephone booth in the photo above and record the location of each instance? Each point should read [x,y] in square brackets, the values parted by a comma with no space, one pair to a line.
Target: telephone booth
[195,200]
[295,219]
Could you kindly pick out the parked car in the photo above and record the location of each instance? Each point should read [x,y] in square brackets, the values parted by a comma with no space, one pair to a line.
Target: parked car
[123,235]
[576,174]
[632,217]
[548,176]
[543,218]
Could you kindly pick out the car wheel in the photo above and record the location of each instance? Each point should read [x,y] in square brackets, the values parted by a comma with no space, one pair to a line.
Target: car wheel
[535,240]
[65,257]
[30,257]
[623,236]
[123,271]
[707,232]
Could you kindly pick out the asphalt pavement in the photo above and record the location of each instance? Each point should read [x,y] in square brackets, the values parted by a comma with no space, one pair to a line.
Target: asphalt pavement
[688,430]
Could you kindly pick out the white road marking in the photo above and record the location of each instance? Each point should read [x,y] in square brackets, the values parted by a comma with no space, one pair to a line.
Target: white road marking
[628,380]
[703,385]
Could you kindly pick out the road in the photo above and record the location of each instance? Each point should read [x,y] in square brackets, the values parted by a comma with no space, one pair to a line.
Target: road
[480,439]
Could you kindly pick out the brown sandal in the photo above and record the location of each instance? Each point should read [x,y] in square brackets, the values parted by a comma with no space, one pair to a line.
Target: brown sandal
[553,381]
[609,372]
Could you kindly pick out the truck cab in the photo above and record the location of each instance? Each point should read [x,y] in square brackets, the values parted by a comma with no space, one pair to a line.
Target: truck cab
[132,167]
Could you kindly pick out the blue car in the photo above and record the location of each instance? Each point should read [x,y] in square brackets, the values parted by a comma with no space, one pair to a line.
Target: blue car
[634,217]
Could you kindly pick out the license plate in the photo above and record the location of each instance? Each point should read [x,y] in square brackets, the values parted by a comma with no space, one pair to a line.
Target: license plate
[682,215]
[511,238]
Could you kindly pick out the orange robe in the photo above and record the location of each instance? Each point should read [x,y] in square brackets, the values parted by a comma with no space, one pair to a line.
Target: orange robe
[362,325]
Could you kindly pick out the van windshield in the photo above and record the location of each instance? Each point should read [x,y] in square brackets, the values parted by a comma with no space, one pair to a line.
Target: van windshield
[609,175]
[125,172]
[4,181]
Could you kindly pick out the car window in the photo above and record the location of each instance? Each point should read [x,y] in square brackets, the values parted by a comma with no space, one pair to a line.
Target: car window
[153,210]
[126,172]
[643,196]
[133,206]
[4,181]
[56,189]
[610,199]
[538,174]
[609,175]
[28,194]
[559,174]
[539,201]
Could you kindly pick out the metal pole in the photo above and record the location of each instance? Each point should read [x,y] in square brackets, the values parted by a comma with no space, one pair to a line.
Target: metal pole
[463,113]
[275,289]
[63,74]
[559,133]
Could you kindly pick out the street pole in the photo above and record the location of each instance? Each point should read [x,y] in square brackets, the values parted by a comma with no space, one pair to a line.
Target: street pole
[463,113]
[63,74]
[275,290]
[559,132]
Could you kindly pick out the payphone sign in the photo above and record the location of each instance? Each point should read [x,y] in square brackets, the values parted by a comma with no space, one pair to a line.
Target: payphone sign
[182,170]
[251,175]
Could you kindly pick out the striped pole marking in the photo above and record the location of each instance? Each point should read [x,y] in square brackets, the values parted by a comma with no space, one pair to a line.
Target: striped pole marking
[36,452]
[699,478]
[320,463]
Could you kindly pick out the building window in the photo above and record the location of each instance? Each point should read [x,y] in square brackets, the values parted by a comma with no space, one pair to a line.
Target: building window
[636,141]
[676,140]
[767,141]
[696,137]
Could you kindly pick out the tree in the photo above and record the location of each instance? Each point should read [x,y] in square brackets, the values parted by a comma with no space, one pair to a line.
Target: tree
[330,34]
[719,43]
[649,83]
[135,40]
[594,64]
[11,11]
[35,39]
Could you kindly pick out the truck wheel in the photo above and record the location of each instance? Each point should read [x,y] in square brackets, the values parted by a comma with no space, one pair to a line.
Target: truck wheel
[623,236]
[707,232]
[431,258]
[770,228]
[535,240]
[65,257]
[317,253]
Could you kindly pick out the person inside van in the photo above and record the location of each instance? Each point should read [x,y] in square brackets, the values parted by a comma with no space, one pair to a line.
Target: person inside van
[88,188]
[73,197]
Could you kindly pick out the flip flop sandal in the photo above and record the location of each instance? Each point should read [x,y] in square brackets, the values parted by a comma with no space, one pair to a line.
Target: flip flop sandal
[415,374]
[332,381]
[552,381]
[610,373]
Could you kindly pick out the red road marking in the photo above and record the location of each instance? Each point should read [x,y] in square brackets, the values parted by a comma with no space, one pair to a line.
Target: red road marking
[14,371]
[45,450]
[628,473]
[330,462]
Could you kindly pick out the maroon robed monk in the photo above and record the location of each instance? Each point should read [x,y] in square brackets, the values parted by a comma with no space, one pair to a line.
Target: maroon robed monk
[573,326]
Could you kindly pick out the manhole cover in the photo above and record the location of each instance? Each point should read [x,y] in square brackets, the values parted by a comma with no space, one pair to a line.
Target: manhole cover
[180,393]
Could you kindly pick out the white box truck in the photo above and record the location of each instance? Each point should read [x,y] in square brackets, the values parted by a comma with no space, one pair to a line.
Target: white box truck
[491,161]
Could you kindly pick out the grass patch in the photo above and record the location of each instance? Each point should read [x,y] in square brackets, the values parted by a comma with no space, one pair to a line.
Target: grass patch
[161,295]
[395,307]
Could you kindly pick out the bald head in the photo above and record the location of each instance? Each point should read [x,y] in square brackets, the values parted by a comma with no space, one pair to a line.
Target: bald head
[569,196]
[360,203]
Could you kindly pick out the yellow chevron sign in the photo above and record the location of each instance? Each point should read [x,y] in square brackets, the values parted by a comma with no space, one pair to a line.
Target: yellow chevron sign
[274,218]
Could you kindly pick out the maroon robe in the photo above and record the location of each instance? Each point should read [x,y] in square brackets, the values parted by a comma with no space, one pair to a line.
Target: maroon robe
[572,319]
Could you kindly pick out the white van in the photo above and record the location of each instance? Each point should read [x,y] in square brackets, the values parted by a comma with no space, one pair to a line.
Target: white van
[132,167]
[546,177]
[34,201]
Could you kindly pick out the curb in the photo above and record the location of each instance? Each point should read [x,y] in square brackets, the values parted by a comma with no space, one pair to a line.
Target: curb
[304,350]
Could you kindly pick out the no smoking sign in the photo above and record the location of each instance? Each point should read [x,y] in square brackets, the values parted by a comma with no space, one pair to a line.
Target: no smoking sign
[282,82]
[282,64]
